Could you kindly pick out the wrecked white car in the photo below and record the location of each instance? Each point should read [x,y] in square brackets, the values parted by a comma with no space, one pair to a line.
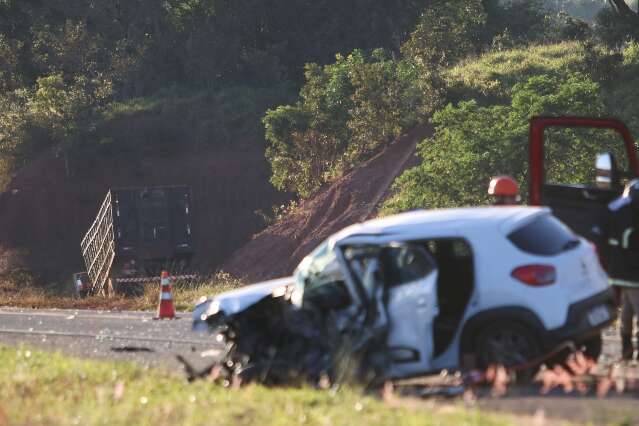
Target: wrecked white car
[420,292]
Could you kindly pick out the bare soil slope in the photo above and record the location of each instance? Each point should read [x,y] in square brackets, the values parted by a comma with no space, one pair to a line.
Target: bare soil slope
[353,198]
[44,214]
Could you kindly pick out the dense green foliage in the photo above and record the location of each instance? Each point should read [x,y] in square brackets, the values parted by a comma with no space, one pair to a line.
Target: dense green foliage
[446,32]
[346,111]
[211,68]
[146,45]
[351,108]
[62,63]
[479,138]
[582,9]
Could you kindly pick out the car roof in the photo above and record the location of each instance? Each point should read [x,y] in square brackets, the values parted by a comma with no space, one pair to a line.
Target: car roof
[504,218]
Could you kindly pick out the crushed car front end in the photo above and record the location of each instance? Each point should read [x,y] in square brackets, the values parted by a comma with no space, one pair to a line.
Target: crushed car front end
[212,310]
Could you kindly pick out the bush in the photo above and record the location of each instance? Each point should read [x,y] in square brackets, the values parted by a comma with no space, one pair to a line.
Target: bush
[491,78]
[561,26]
[523,20]
[176,116]
[13,129]
[623,90]
[473,143]
[347,111]
[614,30]
[446,32]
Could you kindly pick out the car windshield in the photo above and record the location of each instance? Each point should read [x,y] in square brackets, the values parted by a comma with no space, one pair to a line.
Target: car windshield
[318,269]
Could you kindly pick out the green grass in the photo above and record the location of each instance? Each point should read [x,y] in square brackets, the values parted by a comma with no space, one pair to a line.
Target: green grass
[493,74]
[38,388]
[23,294]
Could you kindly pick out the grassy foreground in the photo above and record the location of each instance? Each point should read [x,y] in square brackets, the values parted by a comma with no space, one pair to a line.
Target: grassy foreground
[38,388]
[23,295]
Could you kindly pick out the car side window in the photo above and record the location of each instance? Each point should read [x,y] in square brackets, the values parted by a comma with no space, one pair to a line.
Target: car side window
[406,264]
[391,266]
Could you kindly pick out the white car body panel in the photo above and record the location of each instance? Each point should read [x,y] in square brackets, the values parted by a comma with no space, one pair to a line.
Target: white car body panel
[234,301]
[412,308]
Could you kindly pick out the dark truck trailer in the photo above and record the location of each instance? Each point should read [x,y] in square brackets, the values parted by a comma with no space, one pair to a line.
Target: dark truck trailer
[137,232]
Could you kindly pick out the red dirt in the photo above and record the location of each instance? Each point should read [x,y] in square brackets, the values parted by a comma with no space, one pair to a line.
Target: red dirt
[353,198]
[44,214]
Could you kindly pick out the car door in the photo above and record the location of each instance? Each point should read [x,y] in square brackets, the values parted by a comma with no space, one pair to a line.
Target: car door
[398,282]
[410,279]
[563,167]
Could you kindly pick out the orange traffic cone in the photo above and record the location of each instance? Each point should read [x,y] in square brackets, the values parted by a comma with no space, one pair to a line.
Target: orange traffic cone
[165,308]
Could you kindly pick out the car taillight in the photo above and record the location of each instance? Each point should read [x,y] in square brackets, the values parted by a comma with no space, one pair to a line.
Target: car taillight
[535,275]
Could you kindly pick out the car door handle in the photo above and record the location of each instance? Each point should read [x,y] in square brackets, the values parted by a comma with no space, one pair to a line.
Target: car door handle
[421,301]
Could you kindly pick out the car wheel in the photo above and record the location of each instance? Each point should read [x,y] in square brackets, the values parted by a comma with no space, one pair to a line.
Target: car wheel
[505,344]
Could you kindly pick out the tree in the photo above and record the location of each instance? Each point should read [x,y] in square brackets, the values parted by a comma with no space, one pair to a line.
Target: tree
[66,110]
[617,23]
[347,111]
[472,143]
[520,20]
[447,31]
[13,132]
[624,11]
[10,77]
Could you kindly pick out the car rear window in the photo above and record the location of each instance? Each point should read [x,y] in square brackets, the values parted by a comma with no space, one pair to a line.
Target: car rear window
[545,236]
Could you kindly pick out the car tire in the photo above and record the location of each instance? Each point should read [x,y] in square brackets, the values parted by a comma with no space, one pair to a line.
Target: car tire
[508,344]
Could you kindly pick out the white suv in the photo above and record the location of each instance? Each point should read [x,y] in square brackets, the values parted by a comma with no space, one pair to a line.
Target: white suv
[453,286]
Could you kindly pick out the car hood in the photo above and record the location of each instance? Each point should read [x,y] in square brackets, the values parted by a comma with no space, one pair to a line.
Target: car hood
[234,301]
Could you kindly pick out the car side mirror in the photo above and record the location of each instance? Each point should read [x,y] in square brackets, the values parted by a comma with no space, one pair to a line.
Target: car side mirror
[607,176]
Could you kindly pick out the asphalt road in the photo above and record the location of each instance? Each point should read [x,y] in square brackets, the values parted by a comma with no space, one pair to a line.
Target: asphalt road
[134,336]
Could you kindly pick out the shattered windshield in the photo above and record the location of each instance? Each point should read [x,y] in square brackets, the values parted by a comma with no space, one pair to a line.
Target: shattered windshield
[317,270]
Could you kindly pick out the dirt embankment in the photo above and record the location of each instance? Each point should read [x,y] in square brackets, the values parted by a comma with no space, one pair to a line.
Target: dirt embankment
[353,198]
[44,214]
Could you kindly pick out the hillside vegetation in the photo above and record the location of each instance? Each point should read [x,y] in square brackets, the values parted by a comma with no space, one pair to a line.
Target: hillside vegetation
[65,65]
[213,68]
[459,51]
[486,133]
[492,76]
[317,87]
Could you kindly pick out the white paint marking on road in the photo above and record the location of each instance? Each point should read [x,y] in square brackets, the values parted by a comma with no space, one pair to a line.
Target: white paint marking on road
[103,336]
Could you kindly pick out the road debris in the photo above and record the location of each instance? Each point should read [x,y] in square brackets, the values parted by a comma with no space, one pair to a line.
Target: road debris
[131,349]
